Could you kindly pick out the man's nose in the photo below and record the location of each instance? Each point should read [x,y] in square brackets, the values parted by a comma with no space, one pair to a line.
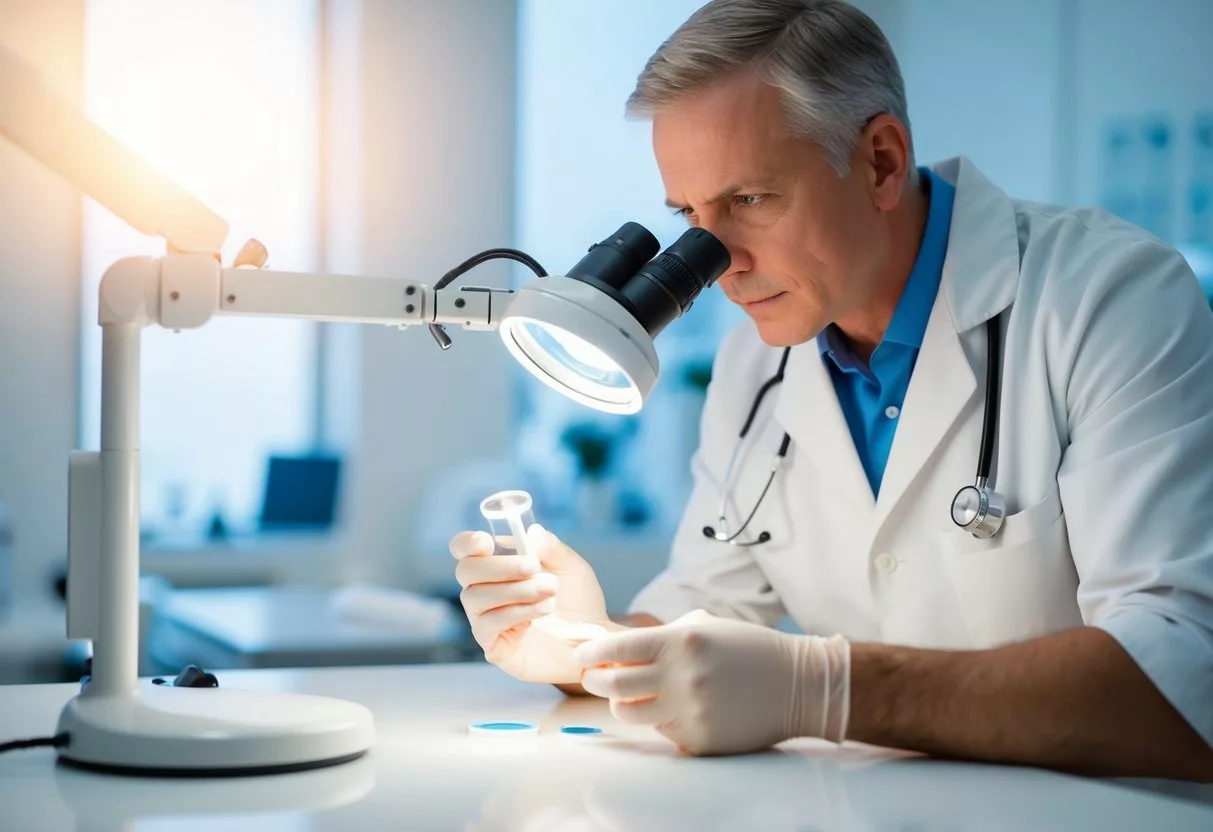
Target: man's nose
[740,260]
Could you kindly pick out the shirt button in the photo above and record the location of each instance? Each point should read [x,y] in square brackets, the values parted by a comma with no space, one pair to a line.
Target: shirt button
[892,411]
[886,563]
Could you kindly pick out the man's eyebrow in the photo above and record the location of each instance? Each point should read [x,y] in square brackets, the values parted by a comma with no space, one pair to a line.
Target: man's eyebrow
[727,193]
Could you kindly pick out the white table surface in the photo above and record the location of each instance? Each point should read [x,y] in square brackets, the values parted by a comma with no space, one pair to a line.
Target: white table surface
[426,773]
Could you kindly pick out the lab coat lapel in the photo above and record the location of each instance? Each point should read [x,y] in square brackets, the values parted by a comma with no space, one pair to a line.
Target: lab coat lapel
[979,280]
[941,386]
[809,411]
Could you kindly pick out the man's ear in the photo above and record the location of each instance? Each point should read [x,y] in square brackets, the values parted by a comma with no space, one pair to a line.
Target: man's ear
[884,152]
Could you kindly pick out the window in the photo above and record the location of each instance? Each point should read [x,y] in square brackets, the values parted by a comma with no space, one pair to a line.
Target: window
[222,96]
[583,170]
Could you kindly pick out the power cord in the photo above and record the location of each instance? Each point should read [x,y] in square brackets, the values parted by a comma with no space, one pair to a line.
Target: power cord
[192,676]
[57,741]
[438,330]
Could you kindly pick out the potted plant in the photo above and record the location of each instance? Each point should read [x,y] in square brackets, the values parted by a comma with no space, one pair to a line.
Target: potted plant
[593,448]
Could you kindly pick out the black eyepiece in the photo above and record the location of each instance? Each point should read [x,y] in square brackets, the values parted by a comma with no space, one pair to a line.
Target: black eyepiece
[667,286]
[616,259]
[656,290]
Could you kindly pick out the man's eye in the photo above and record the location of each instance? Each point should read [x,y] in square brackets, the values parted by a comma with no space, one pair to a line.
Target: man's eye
[684,212]
[748,200]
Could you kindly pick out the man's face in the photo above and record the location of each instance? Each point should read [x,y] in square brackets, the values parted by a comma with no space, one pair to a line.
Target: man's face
[807,246]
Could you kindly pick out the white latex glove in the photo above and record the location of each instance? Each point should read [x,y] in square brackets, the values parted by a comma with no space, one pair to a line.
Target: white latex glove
[503,596]
[719,686]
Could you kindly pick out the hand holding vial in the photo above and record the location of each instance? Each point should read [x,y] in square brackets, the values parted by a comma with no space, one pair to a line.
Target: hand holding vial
[530,599]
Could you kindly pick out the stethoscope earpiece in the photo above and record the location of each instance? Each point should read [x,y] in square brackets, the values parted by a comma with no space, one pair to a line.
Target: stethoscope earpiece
[732,540]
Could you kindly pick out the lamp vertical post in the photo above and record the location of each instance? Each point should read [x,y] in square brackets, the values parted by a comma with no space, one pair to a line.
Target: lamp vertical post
[115,665]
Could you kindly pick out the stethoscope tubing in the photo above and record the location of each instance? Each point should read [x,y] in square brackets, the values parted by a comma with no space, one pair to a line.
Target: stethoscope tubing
[989,435]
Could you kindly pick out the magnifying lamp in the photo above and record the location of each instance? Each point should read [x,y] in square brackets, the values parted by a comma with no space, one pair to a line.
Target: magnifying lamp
[590,334]
[587,334]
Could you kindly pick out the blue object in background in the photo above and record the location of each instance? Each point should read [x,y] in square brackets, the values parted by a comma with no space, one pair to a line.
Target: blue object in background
[1200,185]
[1200,258]
[6,564]
[300,493]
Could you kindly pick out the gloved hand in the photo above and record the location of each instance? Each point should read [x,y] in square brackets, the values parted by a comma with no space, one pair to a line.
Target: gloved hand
[719,686]
[503,595]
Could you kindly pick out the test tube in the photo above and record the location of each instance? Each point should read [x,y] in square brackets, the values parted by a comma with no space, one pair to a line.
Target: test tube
[509,514]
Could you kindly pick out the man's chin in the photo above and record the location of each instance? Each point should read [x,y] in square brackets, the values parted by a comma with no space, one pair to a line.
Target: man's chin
[776,333]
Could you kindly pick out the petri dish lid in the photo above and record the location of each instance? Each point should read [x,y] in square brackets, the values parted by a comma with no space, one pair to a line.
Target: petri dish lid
[580,731]
[503,729]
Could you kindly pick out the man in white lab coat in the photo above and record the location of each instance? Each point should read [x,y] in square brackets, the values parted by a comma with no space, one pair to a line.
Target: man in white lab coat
[1081,634]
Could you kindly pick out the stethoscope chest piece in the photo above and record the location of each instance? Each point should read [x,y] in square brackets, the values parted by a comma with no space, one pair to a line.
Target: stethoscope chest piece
[979,510]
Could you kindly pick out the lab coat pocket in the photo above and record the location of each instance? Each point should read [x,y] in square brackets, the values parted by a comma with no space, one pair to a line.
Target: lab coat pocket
[1019,584]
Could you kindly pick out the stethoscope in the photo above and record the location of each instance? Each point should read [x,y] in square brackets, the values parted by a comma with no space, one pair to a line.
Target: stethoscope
[776,463]
[977,508]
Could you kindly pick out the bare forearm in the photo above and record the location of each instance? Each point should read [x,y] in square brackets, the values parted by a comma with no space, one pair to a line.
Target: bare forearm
[1073,700]
[640,619]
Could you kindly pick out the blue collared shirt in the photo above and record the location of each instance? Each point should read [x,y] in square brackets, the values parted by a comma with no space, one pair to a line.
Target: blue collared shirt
[871,395]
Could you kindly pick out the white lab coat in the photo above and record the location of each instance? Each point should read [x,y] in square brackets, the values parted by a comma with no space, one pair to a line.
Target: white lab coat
[1104,456]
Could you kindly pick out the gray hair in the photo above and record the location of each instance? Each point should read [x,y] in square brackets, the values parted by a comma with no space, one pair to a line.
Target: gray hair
[831,64]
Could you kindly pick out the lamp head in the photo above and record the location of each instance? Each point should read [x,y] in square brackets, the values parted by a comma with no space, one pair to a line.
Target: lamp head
[590,334]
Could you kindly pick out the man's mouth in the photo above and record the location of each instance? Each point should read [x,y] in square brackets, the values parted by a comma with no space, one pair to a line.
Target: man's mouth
[751,305]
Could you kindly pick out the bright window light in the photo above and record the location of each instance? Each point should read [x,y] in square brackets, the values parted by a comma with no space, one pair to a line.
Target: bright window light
[222,96]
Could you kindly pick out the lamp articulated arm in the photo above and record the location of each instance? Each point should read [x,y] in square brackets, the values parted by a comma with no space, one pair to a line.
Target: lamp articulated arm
[184,291]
